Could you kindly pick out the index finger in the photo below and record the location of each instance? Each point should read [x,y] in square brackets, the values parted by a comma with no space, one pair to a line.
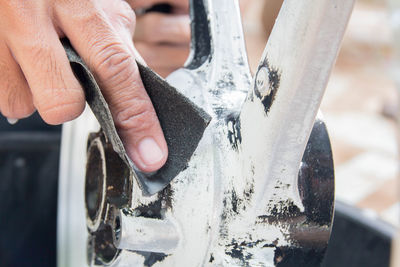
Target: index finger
[105,52]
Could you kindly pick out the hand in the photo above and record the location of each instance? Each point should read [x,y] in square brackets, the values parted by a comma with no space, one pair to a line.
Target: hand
[35,72]
[163,39]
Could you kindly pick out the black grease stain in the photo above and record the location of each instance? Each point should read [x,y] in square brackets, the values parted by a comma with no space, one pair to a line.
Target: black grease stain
[219,111]
[226,213]
[235,202]
[211,258]
[237,251]
[249,190]
[282,210]
[152,258]
[234,130]
[153,210]
[286,256]
[233,205]
[302,228]
[250,96]
[225,82]
[274,83]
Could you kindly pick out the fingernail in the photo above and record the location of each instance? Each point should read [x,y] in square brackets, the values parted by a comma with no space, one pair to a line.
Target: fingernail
[12,121]
[150,151]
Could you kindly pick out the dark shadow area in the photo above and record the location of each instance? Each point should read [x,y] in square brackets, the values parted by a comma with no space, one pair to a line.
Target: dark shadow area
[29,160]
[358,240]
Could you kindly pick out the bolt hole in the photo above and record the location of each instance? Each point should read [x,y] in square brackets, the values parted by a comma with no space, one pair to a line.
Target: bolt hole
[104,249]
[117,228]
[94,181]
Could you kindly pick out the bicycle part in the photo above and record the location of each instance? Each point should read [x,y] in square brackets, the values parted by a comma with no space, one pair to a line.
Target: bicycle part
[180,121]
[258,190]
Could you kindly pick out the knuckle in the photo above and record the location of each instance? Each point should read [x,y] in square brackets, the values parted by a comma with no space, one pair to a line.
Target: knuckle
[77,10]
[139,117]
[44,58]
[127,15]
[46,63]
[38,51]
[113,62]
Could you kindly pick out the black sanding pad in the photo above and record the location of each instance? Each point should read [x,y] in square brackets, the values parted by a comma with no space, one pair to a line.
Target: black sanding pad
[182,121]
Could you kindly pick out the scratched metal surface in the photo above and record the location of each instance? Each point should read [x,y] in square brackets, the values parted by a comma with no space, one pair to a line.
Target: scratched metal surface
[256,191]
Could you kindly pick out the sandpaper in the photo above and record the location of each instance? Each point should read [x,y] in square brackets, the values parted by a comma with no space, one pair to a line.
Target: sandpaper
[182,122]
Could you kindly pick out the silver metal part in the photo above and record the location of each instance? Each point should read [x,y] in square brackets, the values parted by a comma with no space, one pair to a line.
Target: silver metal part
[258,190]
[262,82]
[145,234]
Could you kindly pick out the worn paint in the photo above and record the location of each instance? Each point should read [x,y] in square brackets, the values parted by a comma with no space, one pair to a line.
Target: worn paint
[242,201]
[274,76]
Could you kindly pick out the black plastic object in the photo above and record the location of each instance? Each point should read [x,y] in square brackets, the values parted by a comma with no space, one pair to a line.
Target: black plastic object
[29,158]
[182,122]
[358,240]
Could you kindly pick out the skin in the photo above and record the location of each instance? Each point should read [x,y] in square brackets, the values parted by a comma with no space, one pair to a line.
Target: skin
[163,40]
[35,73]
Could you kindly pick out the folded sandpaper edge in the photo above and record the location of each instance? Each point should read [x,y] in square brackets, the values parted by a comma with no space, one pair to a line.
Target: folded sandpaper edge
[182,121]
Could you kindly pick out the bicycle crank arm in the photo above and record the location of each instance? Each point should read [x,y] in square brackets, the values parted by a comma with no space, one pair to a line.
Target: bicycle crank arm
[259,187]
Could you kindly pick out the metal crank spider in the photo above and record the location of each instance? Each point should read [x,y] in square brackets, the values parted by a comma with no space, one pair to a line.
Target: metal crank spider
[259,187]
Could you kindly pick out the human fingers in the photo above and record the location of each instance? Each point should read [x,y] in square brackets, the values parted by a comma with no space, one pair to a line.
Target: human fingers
[114,66]
[35,45]
[162,28]
[163,58]
[120,16]
[15,97]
